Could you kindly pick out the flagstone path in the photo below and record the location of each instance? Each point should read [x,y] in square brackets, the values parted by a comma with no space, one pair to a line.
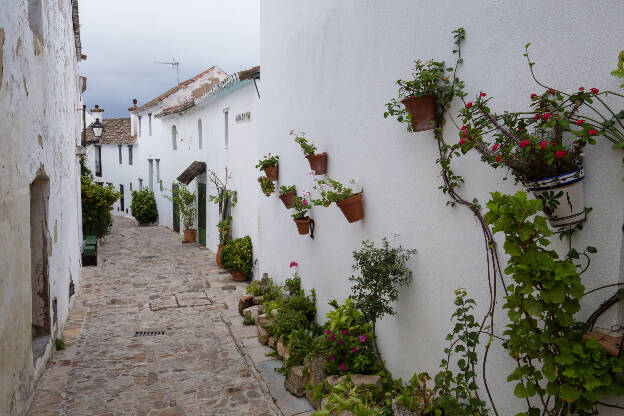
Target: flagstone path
[187,361]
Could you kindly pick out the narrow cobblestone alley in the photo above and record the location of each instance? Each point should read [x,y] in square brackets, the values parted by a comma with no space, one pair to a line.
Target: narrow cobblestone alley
[146,280]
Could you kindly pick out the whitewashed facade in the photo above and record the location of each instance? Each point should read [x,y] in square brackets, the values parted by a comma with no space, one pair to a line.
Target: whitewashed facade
[40,215]
[328,69]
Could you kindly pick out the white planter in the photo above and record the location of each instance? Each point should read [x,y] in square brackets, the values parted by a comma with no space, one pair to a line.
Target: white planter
[563,197]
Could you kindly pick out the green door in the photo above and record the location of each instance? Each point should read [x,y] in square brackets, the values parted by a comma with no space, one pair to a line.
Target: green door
[201,213]
[176,211]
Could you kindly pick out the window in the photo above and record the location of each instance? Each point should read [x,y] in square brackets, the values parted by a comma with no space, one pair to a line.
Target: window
[199,132]
[130,186]
[149,123]
[119,147]
[225,114]
[140,184]
[98,161]
[157,170]
[129,154]
[151,173]
[174,142]
[139,126]
[35,19]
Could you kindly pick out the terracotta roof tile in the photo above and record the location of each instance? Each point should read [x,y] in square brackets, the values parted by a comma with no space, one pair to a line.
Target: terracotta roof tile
[116,131]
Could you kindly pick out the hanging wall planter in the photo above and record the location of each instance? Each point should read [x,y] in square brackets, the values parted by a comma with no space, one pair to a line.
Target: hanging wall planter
[305,225]
[318,163]
[267,185]
[272,172]
[352,207]
[423,111]
[562,196]
[288,198]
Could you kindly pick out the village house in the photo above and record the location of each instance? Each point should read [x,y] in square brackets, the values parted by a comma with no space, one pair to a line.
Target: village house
[40,150]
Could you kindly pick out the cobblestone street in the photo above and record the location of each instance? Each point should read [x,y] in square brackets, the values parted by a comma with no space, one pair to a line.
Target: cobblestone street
[146,280]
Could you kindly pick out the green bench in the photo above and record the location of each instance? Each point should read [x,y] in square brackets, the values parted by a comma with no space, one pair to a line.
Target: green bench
[89,252]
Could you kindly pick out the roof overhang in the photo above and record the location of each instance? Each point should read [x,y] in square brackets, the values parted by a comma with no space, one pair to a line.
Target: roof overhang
[194,169]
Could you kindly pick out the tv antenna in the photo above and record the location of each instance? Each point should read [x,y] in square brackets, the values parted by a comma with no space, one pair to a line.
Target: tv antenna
[174,64]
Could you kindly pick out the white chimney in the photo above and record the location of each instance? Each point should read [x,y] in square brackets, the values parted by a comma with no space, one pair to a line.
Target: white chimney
[98,113]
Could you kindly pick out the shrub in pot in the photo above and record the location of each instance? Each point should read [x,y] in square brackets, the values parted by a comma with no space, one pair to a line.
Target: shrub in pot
[225,199]
[318,161]
[302,206]
[237,257]
[143,206]
[287,195]
[267,186]
[333,191]
[224,227]
[185,200]
[419,96]
[270,164]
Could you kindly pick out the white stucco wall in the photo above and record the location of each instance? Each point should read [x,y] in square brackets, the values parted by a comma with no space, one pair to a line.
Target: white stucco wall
[39,98]
[329,67]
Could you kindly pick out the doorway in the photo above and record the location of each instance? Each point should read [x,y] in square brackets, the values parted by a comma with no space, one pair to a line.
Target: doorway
[201,213]
[176,213]
[39,268]
[121,200]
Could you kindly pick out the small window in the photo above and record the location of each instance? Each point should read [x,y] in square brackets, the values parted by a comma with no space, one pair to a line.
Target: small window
[158,170]
[149,123]
[226,114]
[98,161]
[140,184]
[174,141]
[130,186]
[199,132]
[139,126]
[129,155]
[119,148]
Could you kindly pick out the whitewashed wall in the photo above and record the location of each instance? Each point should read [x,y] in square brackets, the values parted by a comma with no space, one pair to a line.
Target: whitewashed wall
[40,128]
[329,67]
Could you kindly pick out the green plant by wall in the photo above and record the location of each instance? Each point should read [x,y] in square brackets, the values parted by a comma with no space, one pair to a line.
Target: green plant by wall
[224,228]
[330,191]
[296,311]
[97,203]
[302,206]
[268,161]
[184,199]
[286,189]
[308,148]
[238,255]
[267,185]
[364,400]
[143,206]
[59,343]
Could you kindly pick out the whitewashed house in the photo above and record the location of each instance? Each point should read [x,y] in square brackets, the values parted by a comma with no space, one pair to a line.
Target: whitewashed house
[40,215]
[330,67]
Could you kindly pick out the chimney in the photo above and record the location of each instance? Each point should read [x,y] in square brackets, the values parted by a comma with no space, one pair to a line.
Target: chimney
[98,113]
[133,118]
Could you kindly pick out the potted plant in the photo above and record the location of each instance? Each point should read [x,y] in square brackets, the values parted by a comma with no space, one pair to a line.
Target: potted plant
[542,148]
[185,200]
[237,257]
[267,185]
[333,191]
[224,228]
[302,206]
[270,164]
[287,195]
[420,95]
[318,161]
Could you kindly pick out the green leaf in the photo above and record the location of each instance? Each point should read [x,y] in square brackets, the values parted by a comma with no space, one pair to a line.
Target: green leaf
[533,306]
[569,393]
[521,391]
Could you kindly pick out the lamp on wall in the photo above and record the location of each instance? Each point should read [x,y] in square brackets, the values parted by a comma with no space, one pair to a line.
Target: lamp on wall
[98,128]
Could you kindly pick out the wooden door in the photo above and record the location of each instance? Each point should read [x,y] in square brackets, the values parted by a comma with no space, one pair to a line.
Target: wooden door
[176,210]
[201,213]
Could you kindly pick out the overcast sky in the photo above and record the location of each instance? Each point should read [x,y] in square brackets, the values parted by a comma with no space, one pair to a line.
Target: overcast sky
[123,38]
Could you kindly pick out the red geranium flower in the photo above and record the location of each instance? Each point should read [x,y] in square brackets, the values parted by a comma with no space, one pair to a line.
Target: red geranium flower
[462,141]
[533,96]
[560,153]
[524,143]
[498,158]
[496,146]
[546,116]
[552,92]
[544,144]
[469,104]
[592,132]
[581,88]
[463,128]
[483,94]
[594,90]
[536,117]
[580,122]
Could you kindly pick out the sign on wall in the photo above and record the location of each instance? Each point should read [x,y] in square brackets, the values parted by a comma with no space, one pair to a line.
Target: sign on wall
[242,117]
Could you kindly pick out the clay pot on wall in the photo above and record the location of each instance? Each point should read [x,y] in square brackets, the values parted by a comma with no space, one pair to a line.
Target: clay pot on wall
[304,225]
[190,236]
[352,207]
[288,199]
[318,163]
[423,111]
[238,276]
[218,256]
[563,198]
[272,172]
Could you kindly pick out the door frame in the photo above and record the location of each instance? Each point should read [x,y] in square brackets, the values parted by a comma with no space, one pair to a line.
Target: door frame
[201,213]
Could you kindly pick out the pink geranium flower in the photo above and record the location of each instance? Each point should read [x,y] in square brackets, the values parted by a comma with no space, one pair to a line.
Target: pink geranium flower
[560,153]
[524,143]
[333,337]
[332,358]
[354,349]
[363,338]
[342,367]
[328,332]
[293,264]
[292,132]
[544,144]
[344,332]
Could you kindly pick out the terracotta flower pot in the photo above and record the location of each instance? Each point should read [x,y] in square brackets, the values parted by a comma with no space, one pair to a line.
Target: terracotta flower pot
[318,163]
[272,172]
[218,256]
[352,207]
[289,199]
[238,276]
[190,236]
[303,225]
[563,198]
[423,111]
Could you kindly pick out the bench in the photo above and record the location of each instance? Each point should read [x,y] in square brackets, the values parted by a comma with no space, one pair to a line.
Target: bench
[89,252]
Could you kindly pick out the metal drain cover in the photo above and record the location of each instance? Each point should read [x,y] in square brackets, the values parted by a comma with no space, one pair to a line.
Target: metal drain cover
[148,333]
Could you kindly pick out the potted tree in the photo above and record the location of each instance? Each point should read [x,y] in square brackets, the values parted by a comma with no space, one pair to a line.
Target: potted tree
[270,164]
[287,195]
[302,206]
[267,185]
[318,161]
[185,200]
[350,203]
[224,237]
[225,199]
[237,257]
[420,95]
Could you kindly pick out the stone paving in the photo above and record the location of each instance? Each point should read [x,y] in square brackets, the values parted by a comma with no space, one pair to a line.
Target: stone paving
[205,363]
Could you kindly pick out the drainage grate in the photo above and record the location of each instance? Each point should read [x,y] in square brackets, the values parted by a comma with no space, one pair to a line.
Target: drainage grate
[148,333]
